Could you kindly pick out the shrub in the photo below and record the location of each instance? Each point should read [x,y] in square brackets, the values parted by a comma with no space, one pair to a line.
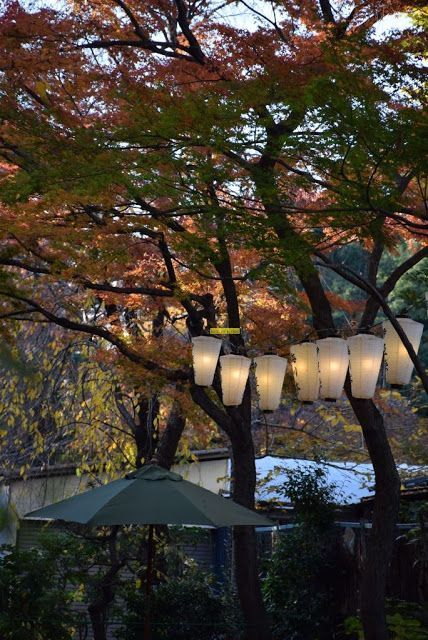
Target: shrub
[189,606]
[404,621]
[300,575]
[33,600]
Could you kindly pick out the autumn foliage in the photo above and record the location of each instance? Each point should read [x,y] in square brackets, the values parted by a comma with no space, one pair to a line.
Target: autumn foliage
[171,166]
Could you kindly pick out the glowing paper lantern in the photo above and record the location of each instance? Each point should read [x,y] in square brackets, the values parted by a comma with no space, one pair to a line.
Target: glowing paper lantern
[206,351]
[304,360]
[365,359]
[399,367]
[270,372]
[333,360]
[234,375]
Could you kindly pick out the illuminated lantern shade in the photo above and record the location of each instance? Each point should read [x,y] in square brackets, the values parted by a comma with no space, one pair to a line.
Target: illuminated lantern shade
[304,360]
[270,372]
[206,351]
[365,359]
[234,375]
[333,360]
[399,367]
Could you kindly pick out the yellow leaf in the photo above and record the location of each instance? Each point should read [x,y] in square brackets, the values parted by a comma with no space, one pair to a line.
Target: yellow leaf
[352,427]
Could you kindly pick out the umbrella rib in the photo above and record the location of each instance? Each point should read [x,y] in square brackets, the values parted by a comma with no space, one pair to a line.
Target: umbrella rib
[192,504]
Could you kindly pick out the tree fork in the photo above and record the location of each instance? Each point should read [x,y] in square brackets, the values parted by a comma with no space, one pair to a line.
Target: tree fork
[236,423]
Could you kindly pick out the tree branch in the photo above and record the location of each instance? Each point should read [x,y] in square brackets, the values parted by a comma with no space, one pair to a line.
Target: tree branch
[12,262]
[148,291]
[103,333]
[354,278]
[211,409]
[393,278]
[327,12]
[372,305]
[194,48]
[155,47]
[132,18]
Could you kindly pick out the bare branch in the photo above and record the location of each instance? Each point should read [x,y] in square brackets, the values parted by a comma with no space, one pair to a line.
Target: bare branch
[327,12]
[221,418]
[183,20]
[399,271]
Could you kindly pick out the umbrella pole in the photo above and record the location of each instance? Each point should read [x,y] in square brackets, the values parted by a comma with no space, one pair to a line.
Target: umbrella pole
[151,549]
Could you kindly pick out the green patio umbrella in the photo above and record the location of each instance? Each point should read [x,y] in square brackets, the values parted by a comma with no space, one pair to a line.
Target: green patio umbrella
[152,496]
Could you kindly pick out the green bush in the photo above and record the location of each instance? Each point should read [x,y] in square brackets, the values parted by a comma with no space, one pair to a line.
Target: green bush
[402,619]
[189,606]
[33,600]
[298,585]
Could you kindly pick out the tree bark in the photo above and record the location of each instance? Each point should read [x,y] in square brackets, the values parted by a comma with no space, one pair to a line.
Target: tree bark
[245,554]
[168,444]
[384,519]
[236,423]
[387,490]
[146,432]
[245,541]
[96,615]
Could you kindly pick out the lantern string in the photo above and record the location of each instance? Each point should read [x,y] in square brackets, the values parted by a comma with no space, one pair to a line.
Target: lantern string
[309,337]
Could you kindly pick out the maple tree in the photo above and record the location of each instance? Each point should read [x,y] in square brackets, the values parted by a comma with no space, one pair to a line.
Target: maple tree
[161,162]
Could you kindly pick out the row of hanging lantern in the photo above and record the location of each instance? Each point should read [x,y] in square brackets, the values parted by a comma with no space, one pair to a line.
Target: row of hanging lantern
[319,368]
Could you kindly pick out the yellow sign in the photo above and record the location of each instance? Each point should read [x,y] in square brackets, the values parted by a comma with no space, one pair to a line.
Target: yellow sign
[224,330]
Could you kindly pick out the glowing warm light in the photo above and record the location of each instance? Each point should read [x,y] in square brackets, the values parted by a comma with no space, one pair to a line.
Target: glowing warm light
[234,375]
[399,367]
[270,372]
[205,351]
[333,360]
[365,359]
[304,361]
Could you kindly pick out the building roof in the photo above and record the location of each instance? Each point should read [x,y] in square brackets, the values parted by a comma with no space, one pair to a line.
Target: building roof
[352,482]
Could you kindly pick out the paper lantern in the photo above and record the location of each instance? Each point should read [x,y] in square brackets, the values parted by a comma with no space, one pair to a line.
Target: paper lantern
[270,372]
[206,351]
[399,367]
[304,360]
[234,375]
[333,360]
[365,359]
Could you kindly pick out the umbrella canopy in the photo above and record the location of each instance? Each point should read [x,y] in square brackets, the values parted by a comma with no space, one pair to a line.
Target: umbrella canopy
[151,495]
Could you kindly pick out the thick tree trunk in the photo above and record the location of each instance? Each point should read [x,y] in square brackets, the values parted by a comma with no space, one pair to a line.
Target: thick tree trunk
[248,584]
[146,432]
[387,491]
[96,616]
[385,513]
[244,538]
[168,444]
[236,423]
